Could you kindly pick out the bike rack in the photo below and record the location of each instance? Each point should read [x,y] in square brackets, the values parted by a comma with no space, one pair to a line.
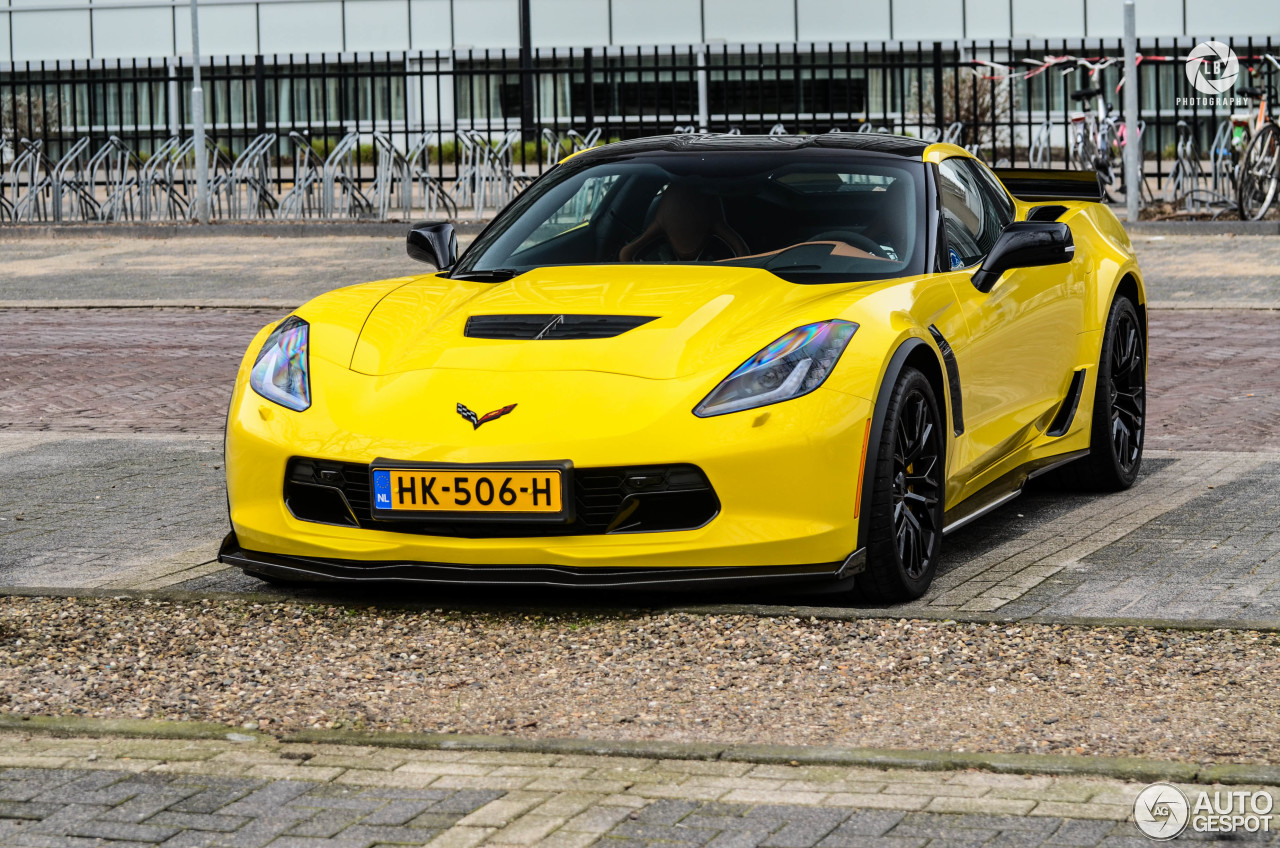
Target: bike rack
[157,199]
[1038,152]
[433,191]
[392,180]
[119,167]
[340,193]
[248,190]
[6,208]
[37,203]
[302,200]
[73,196]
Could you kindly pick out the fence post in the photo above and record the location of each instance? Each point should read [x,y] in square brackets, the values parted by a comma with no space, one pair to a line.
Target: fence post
[938,117]
[527,130]
[704,101]
[1132,144]
[197,113]
[260,92]
[589,79]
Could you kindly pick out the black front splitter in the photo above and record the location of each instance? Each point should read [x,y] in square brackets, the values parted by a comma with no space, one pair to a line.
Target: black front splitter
[325,570]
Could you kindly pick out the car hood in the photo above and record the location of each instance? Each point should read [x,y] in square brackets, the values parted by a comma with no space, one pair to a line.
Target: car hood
[703,317]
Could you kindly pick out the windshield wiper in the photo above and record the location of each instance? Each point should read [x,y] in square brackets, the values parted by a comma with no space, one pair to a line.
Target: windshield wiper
[492,275]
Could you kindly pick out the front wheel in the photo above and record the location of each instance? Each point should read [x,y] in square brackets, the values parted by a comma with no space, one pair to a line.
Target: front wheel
[905,535]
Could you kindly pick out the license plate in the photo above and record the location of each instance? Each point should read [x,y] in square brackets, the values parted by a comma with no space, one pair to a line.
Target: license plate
[457,490]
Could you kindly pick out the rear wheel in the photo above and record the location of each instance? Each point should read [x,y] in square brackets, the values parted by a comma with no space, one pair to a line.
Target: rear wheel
[905,534]
[1259,174]
[1119,407]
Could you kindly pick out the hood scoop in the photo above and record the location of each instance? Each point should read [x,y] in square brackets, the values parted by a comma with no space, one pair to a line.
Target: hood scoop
[551,327]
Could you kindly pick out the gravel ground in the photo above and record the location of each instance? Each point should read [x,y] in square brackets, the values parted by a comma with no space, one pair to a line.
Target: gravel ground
[1187,696]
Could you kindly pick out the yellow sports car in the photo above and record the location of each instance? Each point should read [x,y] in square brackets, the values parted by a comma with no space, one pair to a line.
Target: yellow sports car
[699,360]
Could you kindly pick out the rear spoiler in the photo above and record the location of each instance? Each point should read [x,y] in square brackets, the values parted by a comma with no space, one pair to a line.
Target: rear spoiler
[1037,184]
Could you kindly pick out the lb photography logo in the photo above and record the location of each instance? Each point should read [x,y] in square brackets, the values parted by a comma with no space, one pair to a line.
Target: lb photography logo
[1212,69]
[1162,811]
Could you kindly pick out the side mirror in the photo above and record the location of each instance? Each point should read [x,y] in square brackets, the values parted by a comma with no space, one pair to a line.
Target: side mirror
[1025,244]
[433,243]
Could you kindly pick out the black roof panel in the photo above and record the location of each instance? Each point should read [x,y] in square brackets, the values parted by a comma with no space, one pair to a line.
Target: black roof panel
[870,142]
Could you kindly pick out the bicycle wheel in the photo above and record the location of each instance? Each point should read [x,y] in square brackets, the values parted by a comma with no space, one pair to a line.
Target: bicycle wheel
[1259,175]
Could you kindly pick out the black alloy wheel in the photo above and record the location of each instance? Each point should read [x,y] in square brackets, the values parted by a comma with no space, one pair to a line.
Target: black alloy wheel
[906,512]
[1119,423]
[1128,394]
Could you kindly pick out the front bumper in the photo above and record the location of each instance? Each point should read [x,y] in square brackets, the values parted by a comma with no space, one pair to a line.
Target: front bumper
[785,476]
[326,570]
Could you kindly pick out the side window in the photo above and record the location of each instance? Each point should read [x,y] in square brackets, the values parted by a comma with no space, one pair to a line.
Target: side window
[995,193]
[972,221]
[575,213]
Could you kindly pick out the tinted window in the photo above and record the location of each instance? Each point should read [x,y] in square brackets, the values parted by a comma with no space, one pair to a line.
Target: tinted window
[807,216]
[995,193]
[972,220]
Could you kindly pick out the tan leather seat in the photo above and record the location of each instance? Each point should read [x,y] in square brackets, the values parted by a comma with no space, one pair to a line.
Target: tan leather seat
[686,220]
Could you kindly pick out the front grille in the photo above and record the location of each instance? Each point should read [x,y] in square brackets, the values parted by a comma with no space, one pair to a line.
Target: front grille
[626,499]
[551,327]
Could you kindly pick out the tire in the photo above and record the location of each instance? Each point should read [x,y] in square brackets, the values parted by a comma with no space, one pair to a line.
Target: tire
[1119,407]
[1259,174]
[905,514]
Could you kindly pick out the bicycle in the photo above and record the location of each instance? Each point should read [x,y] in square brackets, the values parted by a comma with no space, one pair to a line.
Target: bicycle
[1097,137]
[1259,171]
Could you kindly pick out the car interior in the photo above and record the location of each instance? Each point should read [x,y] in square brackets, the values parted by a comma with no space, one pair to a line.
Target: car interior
[854,222]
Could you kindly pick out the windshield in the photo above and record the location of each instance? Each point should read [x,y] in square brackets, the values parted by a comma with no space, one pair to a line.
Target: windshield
[809,216]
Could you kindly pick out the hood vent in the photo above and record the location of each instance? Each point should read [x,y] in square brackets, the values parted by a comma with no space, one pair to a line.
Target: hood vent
[551,327]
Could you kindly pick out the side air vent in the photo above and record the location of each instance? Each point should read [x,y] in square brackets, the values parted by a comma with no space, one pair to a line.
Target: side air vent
[551,327]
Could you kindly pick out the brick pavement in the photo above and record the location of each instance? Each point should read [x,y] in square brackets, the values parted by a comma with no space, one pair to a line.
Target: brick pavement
[1215,376]
[1183,270]
[153,371]
[258,792]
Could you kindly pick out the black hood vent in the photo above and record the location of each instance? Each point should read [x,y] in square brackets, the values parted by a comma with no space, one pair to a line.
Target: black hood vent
[551,327]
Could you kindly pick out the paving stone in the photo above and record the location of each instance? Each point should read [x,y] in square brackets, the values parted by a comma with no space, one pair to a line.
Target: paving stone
[666,811]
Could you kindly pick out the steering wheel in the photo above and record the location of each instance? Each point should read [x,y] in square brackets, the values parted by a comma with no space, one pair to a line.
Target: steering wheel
[851,238]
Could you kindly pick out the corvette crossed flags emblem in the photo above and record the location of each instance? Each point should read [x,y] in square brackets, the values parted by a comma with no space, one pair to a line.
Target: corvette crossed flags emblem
[476,421]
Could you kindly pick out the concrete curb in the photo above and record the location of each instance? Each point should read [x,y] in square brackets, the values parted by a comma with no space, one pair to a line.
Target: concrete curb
[231,303]
[630,604]
[386,229]
[269,229]
[1118,768]
[1203,228]
[199,303]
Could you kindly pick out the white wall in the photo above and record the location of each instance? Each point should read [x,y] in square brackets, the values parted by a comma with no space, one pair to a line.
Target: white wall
[987,19]
[486,23]
[844,20]
[1043,19]
[129,32]
[656,22]
[767,20]
[569,23]
[31,30]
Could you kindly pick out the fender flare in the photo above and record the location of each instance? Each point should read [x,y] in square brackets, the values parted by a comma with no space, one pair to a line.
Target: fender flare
[891,372]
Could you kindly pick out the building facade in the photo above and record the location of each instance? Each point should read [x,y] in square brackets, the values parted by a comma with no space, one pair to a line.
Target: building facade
[38,30]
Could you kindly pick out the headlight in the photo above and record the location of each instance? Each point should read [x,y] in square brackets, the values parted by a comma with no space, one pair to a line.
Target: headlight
[794,365]
[281,371]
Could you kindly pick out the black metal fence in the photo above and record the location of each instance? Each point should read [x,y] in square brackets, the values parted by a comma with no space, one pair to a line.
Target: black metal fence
[1000,98]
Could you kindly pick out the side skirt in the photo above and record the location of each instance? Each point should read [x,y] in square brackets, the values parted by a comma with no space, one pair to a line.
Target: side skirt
[1000,492]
